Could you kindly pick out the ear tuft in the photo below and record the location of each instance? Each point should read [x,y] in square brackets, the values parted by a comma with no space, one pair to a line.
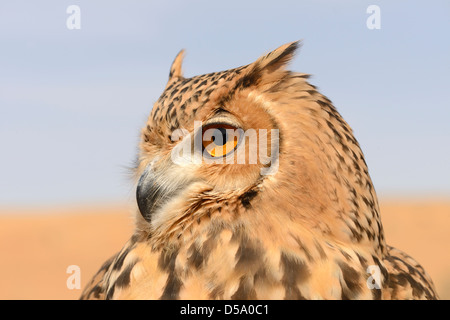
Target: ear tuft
[277,58]
[175,69]
[270,67]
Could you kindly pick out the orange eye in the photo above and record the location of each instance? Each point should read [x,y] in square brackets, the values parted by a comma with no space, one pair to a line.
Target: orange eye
[219,139]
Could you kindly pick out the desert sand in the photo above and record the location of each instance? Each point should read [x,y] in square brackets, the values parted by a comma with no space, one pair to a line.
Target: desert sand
[37,246]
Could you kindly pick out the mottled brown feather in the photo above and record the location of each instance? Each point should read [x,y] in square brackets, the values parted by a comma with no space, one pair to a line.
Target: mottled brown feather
[224,231]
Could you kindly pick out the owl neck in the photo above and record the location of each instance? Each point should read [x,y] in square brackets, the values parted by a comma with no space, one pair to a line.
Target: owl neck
[323,179]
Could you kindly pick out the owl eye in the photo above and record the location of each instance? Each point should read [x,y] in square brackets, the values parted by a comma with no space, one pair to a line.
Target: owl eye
[219,140]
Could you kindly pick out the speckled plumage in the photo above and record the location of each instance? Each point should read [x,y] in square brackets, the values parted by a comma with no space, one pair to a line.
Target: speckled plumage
[224,231]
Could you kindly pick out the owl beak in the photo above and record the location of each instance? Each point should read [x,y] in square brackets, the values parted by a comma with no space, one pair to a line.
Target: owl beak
[154,190]
[146,194]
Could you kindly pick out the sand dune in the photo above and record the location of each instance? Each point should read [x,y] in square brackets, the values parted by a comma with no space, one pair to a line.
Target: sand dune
[37,247]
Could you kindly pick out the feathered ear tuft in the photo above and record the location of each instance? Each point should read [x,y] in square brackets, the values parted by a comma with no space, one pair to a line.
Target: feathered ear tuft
[277,58]
[270,67]
[175,69]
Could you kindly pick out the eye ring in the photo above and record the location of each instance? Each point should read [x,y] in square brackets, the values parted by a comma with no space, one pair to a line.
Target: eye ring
[220,140]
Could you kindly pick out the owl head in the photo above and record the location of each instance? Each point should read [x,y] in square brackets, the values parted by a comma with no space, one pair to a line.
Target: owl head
[256,147]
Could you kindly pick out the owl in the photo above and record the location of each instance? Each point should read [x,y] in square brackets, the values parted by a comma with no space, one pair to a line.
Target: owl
[251,185]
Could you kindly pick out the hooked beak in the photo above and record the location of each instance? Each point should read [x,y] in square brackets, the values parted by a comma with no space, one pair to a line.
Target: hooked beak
[157,187]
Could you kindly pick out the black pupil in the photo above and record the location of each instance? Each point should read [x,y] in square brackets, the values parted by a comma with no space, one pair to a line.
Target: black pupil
[222,132]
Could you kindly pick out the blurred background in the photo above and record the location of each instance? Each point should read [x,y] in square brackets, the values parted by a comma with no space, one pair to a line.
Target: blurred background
[73,100]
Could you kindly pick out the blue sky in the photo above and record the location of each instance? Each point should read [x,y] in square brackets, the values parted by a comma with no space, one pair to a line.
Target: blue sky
[72,102]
